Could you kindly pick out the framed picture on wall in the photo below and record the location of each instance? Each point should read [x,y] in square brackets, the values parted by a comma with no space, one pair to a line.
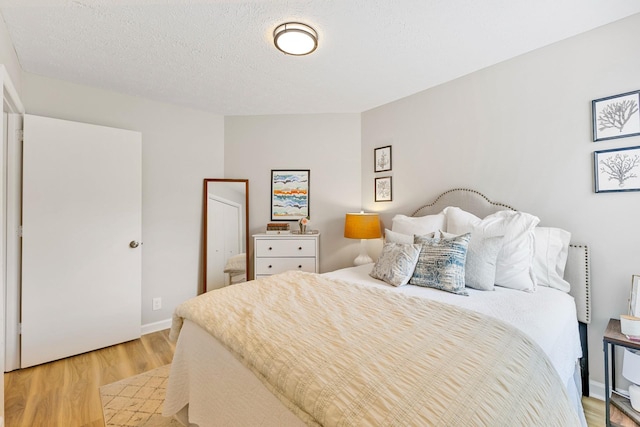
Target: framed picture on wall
[616,116]
[383,189]
[289,194]
[382,159]
[617,170]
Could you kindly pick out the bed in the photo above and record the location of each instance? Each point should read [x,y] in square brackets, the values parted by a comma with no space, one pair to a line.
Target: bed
[343,348]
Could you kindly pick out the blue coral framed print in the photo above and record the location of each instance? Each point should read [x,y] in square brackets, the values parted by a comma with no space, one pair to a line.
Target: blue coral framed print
[289,194]
[617,170]
[616,116]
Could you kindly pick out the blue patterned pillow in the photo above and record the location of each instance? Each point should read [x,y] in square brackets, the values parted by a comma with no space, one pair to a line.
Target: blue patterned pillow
[396,263]
[441,263]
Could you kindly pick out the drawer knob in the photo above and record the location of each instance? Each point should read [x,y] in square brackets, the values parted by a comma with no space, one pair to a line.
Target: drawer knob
[269,266]
[299,266]
[299,248]
[270,248]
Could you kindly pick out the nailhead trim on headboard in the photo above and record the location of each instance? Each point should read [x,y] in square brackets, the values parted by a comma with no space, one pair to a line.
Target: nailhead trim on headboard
[463,189]
[587,279]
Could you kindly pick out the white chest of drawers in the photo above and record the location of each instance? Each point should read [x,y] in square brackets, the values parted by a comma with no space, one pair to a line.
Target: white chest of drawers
[277,253]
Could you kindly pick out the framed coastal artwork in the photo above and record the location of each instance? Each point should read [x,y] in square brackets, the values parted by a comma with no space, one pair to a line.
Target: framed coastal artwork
[289,194]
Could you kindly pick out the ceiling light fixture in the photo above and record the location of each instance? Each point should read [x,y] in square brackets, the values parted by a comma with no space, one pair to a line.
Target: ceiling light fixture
[294,38]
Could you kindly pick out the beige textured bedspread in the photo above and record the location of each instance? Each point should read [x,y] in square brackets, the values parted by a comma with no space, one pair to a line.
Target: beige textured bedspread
[340,354]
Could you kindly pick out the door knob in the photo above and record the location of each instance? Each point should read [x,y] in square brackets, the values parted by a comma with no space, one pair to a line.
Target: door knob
[134,244]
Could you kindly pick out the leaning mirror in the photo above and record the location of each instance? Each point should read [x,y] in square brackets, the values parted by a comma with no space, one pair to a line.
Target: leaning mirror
[226,232]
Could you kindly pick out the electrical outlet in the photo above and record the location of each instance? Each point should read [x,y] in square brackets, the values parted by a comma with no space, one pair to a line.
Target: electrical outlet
[157,303]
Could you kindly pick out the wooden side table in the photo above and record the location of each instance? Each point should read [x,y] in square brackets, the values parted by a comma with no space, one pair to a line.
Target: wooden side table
[614,337]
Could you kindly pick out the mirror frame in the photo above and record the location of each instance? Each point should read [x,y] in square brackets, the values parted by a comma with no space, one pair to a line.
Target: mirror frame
[205,227]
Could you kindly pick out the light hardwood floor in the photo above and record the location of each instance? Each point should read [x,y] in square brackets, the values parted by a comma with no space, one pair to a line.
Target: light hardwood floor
[593,411]
[65,392]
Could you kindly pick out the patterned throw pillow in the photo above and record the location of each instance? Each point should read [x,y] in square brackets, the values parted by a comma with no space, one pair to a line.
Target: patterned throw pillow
[396,263]
[441,263]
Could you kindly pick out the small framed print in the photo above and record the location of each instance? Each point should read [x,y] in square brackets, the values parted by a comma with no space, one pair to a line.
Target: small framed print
[617,170]
[634,298]
[382,159]
[383,189]
[616,116]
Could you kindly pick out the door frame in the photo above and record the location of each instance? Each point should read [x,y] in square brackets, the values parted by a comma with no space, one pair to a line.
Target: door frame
[13,107]
[13,254]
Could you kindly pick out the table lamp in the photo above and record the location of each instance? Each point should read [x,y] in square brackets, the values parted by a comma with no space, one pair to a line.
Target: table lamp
[362,226]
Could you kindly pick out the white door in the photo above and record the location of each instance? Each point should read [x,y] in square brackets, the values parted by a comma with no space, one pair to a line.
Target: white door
[223,238]
[81,279]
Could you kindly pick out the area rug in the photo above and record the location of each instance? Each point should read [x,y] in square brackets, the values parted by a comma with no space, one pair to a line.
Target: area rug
[137,401]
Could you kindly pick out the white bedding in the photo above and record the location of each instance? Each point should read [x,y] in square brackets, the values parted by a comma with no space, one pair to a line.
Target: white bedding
[546,315]
[225,390]
[219,389]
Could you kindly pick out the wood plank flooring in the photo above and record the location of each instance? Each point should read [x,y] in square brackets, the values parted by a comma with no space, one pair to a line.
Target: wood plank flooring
[593,411]
[65,392]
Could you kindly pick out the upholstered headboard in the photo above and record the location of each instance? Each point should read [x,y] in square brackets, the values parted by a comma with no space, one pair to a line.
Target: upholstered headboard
[577,269]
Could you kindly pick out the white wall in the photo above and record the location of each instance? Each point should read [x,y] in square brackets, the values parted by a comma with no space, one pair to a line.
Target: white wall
[180,147]
[520,132]
[327,144]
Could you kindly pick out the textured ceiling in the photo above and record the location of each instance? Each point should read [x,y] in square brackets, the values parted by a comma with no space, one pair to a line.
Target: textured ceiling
[219,55]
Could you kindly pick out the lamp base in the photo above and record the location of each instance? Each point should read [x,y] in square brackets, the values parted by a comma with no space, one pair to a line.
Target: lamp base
[363,258]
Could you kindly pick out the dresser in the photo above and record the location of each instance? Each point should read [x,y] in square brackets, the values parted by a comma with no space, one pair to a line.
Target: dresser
[277,253]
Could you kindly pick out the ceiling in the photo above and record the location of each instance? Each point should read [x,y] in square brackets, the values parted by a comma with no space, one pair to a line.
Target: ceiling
[219,56]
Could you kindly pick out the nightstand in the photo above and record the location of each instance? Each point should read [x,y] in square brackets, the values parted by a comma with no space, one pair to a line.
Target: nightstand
[613,337]
[277,253]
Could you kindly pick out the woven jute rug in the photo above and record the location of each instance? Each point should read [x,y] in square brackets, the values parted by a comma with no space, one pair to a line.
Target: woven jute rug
[137,401]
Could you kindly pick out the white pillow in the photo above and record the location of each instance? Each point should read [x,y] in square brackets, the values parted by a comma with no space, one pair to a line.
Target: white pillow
[514,264]
[514,268]
[482,255]
[393,237]
[419,225]
[552,249]
[460,221]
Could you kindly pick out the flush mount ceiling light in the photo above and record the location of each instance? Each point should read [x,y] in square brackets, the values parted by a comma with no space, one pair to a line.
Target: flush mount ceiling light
[294,38]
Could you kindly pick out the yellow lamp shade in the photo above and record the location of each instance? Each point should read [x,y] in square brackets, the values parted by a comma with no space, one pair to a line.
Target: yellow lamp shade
[362,226]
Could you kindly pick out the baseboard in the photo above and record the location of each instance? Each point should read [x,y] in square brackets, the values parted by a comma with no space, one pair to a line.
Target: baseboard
[596,390]
[154,327]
